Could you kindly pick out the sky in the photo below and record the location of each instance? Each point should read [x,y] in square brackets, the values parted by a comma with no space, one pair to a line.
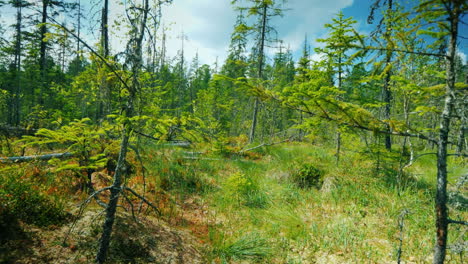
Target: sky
[208,24]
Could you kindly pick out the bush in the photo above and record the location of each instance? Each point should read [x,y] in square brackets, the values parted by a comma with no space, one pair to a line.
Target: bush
[21,200]
[246,191]
[307,176]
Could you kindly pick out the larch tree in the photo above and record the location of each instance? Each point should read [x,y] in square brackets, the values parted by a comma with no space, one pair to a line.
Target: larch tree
[338,53]
[138,18]
[263,11]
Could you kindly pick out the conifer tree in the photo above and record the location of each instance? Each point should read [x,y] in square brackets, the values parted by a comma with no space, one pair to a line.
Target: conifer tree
[263,11]
[339,44]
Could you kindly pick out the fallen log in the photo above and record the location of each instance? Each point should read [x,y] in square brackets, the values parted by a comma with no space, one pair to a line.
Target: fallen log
[35,157]
[174,143]
[16,131]
[263,145]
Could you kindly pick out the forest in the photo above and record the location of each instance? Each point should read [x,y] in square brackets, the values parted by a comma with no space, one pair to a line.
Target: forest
[352,149]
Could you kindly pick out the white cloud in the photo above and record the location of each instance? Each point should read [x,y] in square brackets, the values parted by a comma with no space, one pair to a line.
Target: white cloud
[209,24]
[462,56]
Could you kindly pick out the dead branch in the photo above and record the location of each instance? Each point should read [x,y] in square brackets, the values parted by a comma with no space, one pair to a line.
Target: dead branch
[35,157]
[264,145]
[16,131]
[176,143]
[143,199]
[450,221]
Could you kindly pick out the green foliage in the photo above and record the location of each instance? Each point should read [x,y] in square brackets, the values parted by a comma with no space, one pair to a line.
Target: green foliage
[307,176]
[245,191]
[91,147]
[89,144]
[22,200]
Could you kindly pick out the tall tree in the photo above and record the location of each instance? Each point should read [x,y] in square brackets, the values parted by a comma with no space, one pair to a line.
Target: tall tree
[386,28]
[263,10]
[16,102]
[453,11]
[46,6]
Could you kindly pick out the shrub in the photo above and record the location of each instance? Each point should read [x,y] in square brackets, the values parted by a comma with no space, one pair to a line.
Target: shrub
[307,176]
[22,200]
[246,191]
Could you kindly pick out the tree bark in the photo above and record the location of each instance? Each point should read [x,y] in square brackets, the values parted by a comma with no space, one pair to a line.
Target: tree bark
[441,194]
[386,92]
[104,104]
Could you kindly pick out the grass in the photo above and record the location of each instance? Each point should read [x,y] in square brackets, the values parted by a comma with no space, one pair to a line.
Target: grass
[355,221]
[253,210]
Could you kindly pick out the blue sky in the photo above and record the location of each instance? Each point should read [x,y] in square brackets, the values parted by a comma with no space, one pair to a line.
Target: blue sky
[208,24]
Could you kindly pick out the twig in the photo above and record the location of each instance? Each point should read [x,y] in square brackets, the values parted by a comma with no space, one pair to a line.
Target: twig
[131,206]
[81,211]
[450,221]
[142,198]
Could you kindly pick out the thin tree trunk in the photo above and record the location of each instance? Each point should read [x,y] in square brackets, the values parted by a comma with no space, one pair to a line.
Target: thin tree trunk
[338,133]
[104,105]
[461,139]
[17,94]
[441,195]
[338,147]
[104,241]
[386,92]
[135,60]
[42,53]
[260,71]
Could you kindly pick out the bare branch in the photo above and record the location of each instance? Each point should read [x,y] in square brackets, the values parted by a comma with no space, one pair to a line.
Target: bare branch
[142,198]
[264,145]
[450,221]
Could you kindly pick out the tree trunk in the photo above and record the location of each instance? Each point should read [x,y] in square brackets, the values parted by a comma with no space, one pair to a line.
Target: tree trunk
[104,104]
[17,93]
[42,52]
[386,92]
[441,195]
[135,60]
[260,70]
[338,147]
[104,241]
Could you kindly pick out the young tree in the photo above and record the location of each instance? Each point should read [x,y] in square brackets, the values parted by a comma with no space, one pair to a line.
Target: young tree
[338,51]
[138,19]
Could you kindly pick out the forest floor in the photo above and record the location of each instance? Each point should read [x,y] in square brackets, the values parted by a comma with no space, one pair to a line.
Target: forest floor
[288,203]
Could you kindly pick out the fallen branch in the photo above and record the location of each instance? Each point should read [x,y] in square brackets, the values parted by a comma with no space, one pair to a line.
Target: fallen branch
[176,143]
[35,157]
[16,131]
[264,145]
[198,158]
